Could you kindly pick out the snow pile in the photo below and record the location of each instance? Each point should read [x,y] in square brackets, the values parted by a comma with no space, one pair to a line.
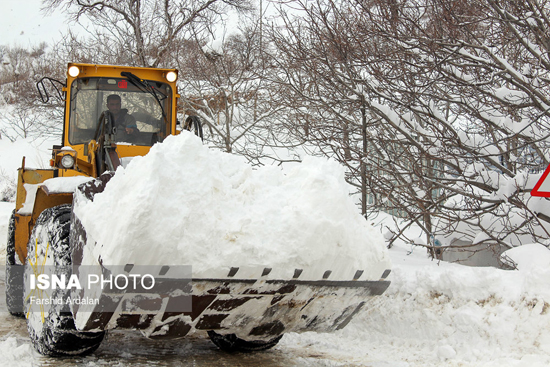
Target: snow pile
[185,204]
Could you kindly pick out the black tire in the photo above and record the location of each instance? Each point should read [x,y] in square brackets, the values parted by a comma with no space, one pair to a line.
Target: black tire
[51,326]
[14,274]
[230,343]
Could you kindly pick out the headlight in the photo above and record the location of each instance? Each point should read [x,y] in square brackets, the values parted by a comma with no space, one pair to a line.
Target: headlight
[67,161]
[74,71]
[171,76]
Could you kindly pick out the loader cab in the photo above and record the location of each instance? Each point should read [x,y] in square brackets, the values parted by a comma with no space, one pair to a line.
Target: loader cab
[148,99]
[149,112]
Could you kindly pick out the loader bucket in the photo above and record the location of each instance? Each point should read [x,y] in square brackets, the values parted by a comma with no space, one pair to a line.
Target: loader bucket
[245,301]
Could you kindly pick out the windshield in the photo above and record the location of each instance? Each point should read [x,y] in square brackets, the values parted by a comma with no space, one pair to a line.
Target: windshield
[138,115]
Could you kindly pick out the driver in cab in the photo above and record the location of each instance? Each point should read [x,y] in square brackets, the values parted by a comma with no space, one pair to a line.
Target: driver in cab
[122,119]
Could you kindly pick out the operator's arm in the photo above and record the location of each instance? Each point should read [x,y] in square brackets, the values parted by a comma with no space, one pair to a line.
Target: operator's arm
[130,124]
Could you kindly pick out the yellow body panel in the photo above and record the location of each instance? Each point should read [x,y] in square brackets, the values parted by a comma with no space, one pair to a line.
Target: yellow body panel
[30,176]
[43,200]
[131,151]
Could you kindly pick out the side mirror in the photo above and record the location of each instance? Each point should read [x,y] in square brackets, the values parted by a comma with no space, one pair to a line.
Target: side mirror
[53,85]
[194,124]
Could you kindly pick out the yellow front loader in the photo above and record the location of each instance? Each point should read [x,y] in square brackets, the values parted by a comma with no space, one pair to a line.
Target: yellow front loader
[114,113]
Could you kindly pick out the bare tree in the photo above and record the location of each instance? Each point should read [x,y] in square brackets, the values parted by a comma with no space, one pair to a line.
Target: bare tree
[145,32]
[228,89]
[23,116]
[439,108]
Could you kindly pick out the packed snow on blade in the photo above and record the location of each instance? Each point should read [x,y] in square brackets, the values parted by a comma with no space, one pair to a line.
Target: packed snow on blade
[213,244]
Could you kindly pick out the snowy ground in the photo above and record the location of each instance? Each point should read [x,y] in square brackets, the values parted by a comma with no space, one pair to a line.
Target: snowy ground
[433,314]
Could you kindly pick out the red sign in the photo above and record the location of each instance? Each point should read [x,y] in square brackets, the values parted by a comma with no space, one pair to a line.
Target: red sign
[542,188]
[123,84]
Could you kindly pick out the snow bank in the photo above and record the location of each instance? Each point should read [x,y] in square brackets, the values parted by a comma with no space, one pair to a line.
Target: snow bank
[185,204]
[442,314]
[37,153]
[529,257]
